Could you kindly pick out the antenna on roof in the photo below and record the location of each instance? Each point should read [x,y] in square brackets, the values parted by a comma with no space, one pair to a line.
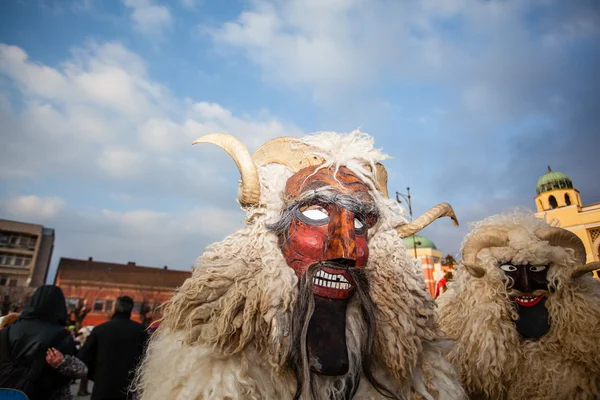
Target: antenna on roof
[549,169]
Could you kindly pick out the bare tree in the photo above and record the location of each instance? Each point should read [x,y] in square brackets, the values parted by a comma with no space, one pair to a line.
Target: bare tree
[449,261]
[14,298]
[77,316]
[147,307]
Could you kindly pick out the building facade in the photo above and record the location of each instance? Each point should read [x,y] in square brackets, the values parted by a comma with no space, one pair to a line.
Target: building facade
[424,249]
[25,253]
[558,200]
[95,285]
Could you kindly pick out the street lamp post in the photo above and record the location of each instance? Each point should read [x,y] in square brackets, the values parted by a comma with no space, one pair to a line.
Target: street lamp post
[407,197]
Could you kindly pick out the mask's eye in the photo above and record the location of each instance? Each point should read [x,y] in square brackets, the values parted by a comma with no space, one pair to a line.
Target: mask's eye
[315,214]
[357,224]
[537,268]
[508,268]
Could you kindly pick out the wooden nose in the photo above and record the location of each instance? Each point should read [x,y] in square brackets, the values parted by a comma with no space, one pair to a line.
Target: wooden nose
[342,238]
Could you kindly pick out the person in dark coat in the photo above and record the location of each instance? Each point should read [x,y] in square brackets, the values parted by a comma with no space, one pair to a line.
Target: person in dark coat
[35,335]
[112,352]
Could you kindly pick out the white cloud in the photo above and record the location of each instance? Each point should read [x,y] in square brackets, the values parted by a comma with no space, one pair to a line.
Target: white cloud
[160,135]
[300,43]
[208,118]
[211,111]
[99,112]
[120,163]
[105,75]
[149,18]
[34,207]
[199,221]
[319,44]
[213,221]
[332,47]
[98,127]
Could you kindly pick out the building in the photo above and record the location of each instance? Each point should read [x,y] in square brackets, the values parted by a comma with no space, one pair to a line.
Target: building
[25,253]
[558,200]
[424,249]
[95,285]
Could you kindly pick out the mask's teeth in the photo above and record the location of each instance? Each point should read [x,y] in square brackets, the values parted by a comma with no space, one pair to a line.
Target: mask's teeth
[335,281]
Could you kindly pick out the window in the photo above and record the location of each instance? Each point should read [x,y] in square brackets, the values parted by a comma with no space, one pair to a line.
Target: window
[108,306]
[14,240]
[13,283]
[553,203]
[72,303]
[3,280]
[567,199]
[99,305]
[4,239]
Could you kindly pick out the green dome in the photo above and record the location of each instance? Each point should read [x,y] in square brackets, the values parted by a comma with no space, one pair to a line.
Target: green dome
[422,242]
[552,180]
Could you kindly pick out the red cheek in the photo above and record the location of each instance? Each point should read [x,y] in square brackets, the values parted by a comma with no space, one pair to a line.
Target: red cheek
[362,250]
[304,246]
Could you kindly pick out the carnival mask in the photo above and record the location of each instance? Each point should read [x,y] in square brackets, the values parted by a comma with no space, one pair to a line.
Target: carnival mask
[323,238]
[329,223]
[527,284]
[528,287]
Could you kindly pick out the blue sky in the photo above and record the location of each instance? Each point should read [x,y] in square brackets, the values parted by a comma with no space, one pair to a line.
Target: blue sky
[100,100]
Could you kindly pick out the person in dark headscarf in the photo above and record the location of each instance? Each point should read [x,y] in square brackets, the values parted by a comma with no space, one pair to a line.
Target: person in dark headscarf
[40,333]
[43,318]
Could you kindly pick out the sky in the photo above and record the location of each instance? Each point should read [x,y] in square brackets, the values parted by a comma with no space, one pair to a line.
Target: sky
[100,101]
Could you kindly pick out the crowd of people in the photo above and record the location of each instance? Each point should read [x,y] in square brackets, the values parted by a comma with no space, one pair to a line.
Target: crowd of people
[41,355]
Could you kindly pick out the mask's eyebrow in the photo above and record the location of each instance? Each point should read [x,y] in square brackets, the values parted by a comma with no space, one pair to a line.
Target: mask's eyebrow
[360,208]
[327,196]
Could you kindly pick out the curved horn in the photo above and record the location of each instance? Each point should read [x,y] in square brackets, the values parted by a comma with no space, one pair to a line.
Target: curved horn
[439,211]
[250,184]
[477,242]
[563,238]
[382,179]
[286,151]
[584,269]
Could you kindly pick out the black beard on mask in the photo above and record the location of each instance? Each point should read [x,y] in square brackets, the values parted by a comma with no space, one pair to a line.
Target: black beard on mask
[533,322]
[315,341]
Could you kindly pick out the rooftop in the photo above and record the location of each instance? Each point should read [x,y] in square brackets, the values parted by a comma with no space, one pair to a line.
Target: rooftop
[72,269]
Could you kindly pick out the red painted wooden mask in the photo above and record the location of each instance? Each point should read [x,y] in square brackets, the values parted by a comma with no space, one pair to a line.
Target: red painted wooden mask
[328,228]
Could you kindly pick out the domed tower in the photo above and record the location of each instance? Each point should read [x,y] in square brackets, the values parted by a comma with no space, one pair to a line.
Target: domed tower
[424,249]
[555,190]
[418,241]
